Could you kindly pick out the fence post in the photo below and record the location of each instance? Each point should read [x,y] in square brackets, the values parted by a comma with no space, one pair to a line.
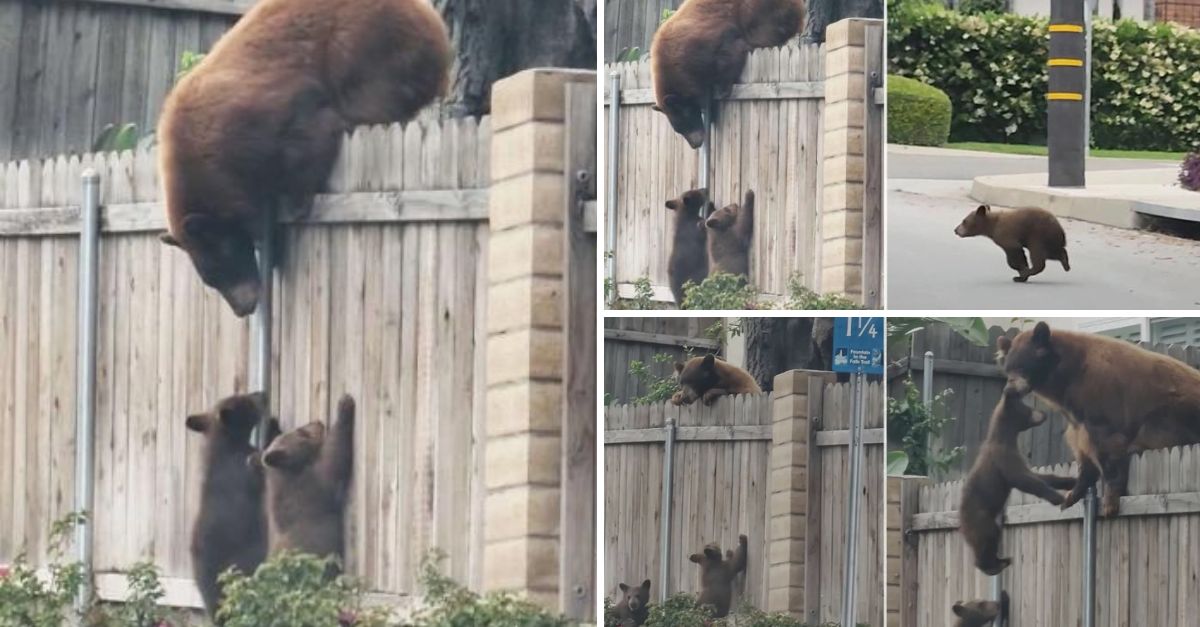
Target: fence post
[850,568]
[525,370]
[614,138]
[787,485]
[85,401]
[1089,558]
[664,532]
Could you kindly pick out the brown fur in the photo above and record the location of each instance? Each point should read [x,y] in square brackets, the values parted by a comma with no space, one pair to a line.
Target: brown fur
[717,575]
[308,477]
[998,469]
[689,249]
[261,118]
[633,609]
[1018,230]
[230,530]
[730,235]
[699,52]
[1120,399]
[980,613]
[708,378]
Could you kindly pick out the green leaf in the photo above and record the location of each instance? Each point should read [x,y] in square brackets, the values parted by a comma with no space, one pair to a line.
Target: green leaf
[897,463]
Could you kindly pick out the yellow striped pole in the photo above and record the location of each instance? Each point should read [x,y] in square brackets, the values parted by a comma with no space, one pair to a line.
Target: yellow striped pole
[1066,123]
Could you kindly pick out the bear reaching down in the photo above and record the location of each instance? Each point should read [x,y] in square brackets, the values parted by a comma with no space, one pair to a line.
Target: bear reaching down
[308,478]
[730,235]
[980,613]
[998,469]
[700,51]
[1018,230]
[634,606]
[717,575]
[260,119]
[708,378]
[230,529]
[689,249]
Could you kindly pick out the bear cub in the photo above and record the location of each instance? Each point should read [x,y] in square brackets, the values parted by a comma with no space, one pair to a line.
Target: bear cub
[1019,230]
[230,529]
[308,474]
[717,575]
[730,234]
[980,613]
[708,378]
[689,249]
[998,469]
[633,608]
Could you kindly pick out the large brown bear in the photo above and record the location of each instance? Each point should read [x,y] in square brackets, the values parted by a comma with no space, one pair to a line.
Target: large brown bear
[980,613]
[730,235]
[230,529]
[1017,230]
[1120,399]
[717,575]
[699,52]
[308,479]
[998,469]
[689,248]
[708,378]
[261,117]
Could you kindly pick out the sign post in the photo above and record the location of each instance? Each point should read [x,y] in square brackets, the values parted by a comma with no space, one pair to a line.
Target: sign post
[1068,92]
[857,350]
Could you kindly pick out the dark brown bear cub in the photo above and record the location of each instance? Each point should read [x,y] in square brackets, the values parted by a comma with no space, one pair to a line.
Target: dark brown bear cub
[716,575]
[980,613]
[231,527]
[308,478]
[689,249]
[260,119]
[998,469]
[708,378]
[1018,230]
[634,606]
[730,235]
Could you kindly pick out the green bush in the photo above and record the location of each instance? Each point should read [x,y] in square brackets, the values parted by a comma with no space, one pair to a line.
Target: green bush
[979,7]
[293,590]
[1145,77]
[917,114]
[27,600]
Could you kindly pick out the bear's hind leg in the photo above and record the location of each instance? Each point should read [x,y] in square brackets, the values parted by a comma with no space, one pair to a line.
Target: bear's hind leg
[1066,263]
[1037,260]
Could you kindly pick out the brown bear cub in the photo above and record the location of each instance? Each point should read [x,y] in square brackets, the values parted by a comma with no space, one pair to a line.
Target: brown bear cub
[1018,230]
[708,378]
[998,469]
[689,249]
[700,51]
[1119,398]
[231,526]
[308,478]
[980,613]
[730,235]
[633,608]
[716,575]
[260,119]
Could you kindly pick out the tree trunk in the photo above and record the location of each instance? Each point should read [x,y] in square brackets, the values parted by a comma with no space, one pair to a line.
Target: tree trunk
[776,345]
[498,38]
[822,13]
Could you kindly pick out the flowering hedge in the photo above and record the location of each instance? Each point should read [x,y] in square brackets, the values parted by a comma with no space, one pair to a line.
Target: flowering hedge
[1145,77]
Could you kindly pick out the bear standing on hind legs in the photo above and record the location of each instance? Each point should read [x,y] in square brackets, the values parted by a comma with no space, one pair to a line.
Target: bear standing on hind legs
[260,119]
[730,235]
[716,575]
[689,248]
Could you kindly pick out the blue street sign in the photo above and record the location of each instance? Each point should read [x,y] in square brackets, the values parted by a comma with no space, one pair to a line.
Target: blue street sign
[858,345]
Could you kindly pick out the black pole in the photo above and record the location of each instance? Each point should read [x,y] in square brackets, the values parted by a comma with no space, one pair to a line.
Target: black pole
[1066,131]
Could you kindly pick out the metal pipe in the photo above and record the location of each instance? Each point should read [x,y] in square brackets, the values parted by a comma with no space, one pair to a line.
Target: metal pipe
[1089,558]
[664,532]
[261,359]
[850,579]
[706,156]
[1089,6]
[997,585]
[927,379]
[610,230]
[85,375]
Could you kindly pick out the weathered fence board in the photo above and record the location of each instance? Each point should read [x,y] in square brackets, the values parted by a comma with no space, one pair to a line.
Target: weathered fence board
[630,25]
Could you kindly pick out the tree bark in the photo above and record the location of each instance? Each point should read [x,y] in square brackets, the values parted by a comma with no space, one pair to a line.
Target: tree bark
[822,13]
[497,38]
[776,345]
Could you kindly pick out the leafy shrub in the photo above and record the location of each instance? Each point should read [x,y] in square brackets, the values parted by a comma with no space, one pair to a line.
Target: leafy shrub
[801,297]
[1189,172]
[729,291]
[658,388]
[293,590]
[188,60]
[912,423]
[917,114]
[449,604]
[140,608]
[680,610]
[28,601]
[979,7]
[1145,77]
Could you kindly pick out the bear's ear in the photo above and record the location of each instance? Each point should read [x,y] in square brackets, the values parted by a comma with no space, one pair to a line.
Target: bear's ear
[673,205]
[275,458]
[696,557]
[199,422]
[646,585]
[200,226]
[983,210]
[1041,333]
[958,609]
[169,240]
[712,553]
[710,360]
[623,587]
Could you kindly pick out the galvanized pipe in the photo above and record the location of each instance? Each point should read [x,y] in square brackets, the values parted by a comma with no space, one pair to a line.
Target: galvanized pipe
[664,532]
[1089,558]
[85,374]
[850,579]
[260,371]
[927,379]
[610,230]
[706,156]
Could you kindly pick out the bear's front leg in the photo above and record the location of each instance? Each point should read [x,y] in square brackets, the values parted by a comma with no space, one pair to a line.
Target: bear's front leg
[1016,261]
[712,395]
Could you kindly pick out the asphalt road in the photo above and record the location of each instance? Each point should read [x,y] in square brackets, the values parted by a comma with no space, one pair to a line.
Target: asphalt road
[931,268]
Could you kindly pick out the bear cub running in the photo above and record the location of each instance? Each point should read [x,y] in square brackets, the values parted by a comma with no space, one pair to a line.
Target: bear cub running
[1019,230]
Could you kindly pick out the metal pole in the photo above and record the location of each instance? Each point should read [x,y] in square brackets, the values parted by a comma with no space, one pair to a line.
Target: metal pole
[1089,6]
[261,360]
[706,155]
[85,377]
[1067,93]
[1089,558]
[997,586]
[610,230]
[664,532]
[850,579]
[927,379]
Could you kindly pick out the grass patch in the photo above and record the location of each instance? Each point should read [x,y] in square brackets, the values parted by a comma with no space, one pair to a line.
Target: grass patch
[1026,149]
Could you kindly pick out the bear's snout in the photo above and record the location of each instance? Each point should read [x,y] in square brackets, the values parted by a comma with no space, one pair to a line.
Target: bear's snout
[695,138]
[243,297]
[960,231]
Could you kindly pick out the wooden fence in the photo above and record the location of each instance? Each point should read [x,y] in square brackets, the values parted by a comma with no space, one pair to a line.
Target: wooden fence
[774,467]
[382,293]
[630,24]
[641,339]
[795,130]
[1147,558]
